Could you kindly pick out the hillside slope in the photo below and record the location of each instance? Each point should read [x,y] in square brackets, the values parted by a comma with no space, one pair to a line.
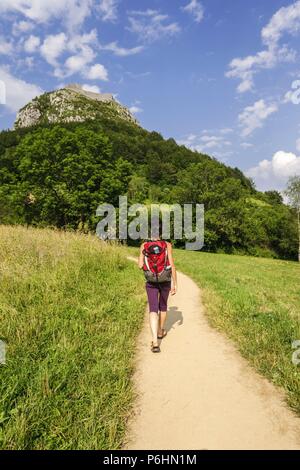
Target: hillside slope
[57,173]
[69,318]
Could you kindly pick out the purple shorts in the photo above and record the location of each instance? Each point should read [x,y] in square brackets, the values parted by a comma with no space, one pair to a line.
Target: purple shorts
[158,296]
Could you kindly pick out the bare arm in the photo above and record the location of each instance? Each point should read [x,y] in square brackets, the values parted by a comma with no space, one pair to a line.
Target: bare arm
[141,256]
[174,274]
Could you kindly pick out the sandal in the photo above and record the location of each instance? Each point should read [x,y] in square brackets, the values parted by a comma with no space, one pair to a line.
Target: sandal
[155,349]
[164,333]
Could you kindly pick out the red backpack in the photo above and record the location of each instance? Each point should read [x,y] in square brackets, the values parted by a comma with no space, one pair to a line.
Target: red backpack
[156,263]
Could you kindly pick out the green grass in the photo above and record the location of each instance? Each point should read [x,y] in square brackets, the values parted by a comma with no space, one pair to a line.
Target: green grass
[70,310]
[256,302]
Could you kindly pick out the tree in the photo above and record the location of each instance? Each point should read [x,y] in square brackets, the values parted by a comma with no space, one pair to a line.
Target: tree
[273,197]
[60,176]
[293,194]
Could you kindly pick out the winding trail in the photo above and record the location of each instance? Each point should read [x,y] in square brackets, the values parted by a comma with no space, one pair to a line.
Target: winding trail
[199,393]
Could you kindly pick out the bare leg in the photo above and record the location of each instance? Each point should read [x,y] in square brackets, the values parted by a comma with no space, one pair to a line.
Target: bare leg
[162,321]
[154,327]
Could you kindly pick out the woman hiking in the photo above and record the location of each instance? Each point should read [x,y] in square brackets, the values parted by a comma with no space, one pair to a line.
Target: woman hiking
[156,260]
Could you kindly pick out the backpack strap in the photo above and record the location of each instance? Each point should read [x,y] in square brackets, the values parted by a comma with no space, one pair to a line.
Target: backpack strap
[146,261]
[166,256]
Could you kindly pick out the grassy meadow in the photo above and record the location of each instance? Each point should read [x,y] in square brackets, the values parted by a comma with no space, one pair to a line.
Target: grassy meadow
[70,310]
[256,302]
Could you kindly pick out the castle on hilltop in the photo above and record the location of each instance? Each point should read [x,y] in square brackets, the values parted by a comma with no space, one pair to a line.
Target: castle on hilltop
[106,97]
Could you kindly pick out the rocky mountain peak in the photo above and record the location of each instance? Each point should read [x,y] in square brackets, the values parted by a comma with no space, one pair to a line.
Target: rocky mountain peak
[71,104]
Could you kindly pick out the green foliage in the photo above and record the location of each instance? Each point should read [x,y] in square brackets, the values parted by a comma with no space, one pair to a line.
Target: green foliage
[58,175]
[273,197]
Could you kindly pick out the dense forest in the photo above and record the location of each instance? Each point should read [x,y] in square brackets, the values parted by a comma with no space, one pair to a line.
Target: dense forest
[57,175]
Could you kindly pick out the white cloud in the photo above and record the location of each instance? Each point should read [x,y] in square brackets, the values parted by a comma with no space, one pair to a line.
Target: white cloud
[285,20]
[206,142]
[20,27]
[293,95]
[92,88]
[226,130]
[196,9]
[6,47]
[191,137]
[18,92]
[31,44]
[151,25]
[72,12]
[53,46]
[77,41]
[288,97]
[245,85]
[97,72]
[147,12]
[223,156]
[210,138]
[213,142]
[246,145]
[246,68]
[82,54]
[253,117]
[275,173]
[108,9]
[77,63]
[68,51]
[135,109]
[121,51]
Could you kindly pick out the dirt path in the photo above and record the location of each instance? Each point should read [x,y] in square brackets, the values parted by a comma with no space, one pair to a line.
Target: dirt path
[198,393]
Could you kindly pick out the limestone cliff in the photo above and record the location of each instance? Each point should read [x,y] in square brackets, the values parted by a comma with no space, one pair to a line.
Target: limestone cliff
[71,104]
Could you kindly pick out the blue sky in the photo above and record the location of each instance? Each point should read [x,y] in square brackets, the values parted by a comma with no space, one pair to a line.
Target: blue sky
[220,76]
